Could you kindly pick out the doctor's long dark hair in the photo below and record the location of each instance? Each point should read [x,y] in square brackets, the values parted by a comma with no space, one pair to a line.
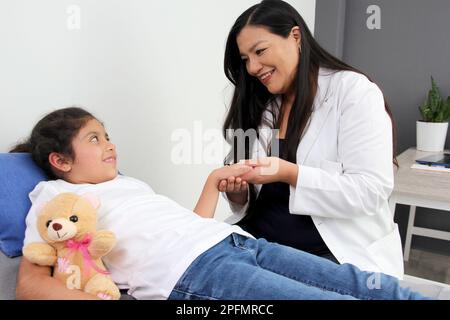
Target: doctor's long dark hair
[251,98]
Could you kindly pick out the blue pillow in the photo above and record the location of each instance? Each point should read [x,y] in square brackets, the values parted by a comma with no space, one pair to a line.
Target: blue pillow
[18,177]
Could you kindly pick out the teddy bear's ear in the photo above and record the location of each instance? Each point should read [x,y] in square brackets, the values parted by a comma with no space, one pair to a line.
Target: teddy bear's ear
[92,199]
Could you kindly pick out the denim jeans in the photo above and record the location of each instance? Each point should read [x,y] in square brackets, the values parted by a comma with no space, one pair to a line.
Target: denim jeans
[329,256]
[240,268]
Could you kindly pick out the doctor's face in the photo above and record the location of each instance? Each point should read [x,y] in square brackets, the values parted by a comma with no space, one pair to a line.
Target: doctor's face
[270,58]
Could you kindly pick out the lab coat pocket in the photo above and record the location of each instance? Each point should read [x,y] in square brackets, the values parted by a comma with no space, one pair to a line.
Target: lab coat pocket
[331,167]
[387,253]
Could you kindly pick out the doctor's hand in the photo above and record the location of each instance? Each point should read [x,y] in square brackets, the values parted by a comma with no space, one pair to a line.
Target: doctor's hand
[269,170]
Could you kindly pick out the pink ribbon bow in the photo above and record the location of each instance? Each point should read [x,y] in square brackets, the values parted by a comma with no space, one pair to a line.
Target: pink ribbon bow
[82,246]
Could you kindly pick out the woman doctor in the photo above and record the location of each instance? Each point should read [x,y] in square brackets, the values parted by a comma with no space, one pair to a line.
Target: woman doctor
[326,190]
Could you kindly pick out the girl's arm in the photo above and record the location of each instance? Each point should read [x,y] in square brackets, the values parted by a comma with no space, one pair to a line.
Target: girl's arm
[207,203]
[36,283]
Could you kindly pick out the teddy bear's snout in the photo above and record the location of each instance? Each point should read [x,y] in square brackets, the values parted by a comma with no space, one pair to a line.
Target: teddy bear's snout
[61,229]
[57,226]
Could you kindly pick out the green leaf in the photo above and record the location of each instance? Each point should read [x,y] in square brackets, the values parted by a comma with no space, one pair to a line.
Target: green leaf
[435,97]
[439,115]
[446,112]
[427,115]
[435,108]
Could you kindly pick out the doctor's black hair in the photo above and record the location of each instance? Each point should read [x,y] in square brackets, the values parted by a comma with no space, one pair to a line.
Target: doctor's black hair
[54,133]
[251,98]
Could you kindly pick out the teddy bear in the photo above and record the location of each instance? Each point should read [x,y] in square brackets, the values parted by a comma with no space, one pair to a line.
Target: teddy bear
[73,245]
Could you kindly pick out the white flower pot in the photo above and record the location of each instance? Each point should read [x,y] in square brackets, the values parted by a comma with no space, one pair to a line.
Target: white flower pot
[431,136]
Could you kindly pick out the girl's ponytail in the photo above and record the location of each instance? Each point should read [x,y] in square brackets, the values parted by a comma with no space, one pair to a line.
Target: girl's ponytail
[22,148]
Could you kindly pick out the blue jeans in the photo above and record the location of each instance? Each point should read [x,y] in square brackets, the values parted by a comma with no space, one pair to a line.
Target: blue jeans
[240,268]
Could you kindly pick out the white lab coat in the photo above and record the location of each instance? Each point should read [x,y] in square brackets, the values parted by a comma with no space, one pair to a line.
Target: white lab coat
[346,173]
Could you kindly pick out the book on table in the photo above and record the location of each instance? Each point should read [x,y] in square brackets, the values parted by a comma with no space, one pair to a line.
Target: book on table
[437,162]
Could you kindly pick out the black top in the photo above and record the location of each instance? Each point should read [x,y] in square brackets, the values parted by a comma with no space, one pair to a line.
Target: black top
[270,219]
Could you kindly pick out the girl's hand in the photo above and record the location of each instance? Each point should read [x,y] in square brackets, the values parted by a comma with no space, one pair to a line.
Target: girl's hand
[268,170]
[231,182]
[233,185]
[229,174]
[207,203]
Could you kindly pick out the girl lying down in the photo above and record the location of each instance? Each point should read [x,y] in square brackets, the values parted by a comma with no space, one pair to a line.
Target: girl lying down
[163,250]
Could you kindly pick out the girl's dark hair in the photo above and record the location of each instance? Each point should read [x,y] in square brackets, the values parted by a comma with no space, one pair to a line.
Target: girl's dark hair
[54,133]
[251,98]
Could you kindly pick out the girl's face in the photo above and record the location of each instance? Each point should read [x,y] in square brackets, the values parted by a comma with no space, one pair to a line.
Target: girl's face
[270,58]
[95,158]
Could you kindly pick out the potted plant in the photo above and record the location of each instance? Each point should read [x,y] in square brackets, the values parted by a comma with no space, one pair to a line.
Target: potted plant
[432,130]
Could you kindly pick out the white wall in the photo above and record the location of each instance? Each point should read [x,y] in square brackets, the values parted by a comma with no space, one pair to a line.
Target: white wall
[146,68]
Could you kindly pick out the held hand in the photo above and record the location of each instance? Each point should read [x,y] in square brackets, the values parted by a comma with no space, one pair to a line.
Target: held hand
[269,170]
[207,203]
[229,173]
[233,185]
[230,182]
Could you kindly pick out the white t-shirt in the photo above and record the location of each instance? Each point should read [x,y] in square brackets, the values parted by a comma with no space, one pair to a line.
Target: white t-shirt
[157,239]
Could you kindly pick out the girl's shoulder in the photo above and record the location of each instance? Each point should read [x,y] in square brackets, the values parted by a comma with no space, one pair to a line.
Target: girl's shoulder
[45,189]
